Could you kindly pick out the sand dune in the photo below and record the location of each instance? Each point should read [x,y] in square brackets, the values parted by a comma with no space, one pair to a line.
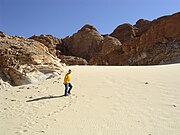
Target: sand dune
[105,101]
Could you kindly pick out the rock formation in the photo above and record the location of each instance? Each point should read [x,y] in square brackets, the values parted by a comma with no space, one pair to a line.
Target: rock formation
[124,32]
[142,26]
[56,48]
[24,61]
[85,43]
[49,41]
[4,82]
[109,45]
[146,43]
[160,43]
[71,60]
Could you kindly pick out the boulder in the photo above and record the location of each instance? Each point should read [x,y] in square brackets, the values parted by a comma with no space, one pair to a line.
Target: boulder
[124,32]
[85,43]
[109,45]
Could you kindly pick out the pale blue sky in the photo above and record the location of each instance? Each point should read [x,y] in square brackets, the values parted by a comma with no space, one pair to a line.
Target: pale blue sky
[65,17]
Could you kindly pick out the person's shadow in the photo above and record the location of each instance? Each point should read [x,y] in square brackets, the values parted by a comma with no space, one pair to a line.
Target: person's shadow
[44,98]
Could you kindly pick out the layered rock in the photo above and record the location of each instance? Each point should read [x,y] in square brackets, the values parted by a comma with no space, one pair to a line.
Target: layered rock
[25,61]
[160,42]
[145,43]
[49,41]
[157,43]
[85,43]
[71,60]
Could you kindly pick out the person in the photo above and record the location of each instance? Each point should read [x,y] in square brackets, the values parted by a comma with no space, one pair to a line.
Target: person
[67,83]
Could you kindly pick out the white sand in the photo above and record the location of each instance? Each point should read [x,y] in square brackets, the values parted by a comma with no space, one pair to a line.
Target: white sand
[106,101]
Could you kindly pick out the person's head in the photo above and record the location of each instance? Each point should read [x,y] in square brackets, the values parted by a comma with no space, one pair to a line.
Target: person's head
[69,71]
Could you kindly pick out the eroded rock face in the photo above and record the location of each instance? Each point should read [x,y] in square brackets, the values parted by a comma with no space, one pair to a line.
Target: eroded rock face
[4,82]
[153,43]
[142,26]
[142,23]
[49,41]
[160,42]
[25,61]
[145,43]
[124,32]
[71,60]
[56,48]
[85,43]
[109,45]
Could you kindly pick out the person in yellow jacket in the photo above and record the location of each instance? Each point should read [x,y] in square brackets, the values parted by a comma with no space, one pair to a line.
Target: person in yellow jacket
[67,83]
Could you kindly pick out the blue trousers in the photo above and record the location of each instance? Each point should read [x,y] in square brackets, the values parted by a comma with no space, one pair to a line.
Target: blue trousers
[68,88]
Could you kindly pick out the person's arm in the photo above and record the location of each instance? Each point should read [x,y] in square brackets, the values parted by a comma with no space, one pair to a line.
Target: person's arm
[65,79]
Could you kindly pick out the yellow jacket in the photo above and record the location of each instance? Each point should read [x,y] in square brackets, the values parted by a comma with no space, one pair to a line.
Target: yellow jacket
[67,78]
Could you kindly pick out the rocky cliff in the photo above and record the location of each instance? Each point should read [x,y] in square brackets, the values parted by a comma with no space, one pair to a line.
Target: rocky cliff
[24,61]
[56,48]
[146,43]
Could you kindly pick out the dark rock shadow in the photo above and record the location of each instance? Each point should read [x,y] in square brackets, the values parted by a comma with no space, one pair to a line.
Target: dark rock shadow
[44,98]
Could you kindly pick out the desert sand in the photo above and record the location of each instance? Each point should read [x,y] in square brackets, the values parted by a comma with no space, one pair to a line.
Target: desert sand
[142,100]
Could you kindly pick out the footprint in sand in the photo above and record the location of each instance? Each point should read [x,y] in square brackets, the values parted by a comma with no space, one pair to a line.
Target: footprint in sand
[55,82]
[33,119]
[115,107]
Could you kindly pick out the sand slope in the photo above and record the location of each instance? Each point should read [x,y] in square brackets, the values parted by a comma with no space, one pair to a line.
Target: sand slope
[106,101]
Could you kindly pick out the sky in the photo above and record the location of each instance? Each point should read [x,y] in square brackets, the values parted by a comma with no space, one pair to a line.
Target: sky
[62,18]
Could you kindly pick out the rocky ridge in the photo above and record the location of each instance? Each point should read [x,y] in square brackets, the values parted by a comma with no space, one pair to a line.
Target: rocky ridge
[145,43]
[24,61]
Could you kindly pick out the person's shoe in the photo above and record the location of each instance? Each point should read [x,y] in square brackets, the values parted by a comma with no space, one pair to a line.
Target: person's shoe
[65,94]
[69,93]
